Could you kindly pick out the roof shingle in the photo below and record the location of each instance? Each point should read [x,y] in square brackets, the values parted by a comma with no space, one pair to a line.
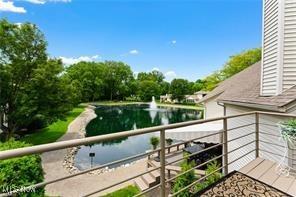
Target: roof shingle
[244,87]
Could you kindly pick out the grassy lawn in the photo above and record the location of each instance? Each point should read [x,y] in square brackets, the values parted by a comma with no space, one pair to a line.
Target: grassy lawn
[180,106]
[114,103]
[128,191]
[53,131]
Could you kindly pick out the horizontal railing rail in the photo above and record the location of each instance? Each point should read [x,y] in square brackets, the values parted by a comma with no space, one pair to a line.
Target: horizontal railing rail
[174,148]
[96,139]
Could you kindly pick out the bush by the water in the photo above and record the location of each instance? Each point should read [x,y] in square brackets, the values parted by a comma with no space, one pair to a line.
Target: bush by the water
[20,172]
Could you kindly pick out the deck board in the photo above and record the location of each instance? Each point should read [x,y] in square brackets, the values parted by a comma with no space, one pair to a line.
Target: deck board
[292,190]
[265,171]
[283,183]
[251,165]
[269,177]
[261,169]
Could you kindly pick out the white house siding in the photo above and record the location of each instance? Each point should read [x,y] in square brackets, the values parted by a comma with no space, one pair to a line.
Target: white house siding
[270,52]
[212,109]
[267,125]
[289,51]
[279,46]
[237,122]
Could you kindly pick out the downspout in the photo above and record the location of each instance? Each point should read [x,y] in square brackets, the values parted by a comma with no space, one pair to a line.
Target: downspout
[224,107]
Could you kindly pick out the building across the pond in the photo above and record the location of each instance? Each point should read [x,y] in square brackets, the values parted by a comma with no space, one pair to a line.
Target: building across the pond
[194,98]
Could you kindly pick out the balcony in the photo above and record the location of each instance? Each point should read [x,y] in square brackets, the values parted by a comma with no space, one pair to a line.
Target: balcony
[249,142]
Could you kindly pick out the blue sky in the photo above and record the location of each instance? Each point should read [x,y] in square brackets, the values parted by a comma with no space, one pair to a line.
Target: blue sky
[186,39]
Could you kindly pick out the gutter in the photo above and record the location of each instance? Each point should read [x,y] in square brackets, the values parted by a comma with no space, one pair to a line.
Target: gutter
[256,106]
[224,107]
[288,107]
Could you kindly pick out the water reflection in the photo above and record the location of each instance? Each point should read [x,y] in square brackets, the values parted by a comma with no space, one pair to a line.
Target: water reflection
[113,119]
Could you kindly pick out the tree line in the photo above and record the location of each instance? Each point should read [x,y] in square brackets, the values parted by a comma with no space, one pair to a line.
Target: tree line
[36,90]
[111,80]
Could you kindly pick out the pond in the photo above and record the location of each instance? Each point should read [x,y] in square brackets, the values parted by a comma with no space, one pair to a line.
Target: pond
[113,119]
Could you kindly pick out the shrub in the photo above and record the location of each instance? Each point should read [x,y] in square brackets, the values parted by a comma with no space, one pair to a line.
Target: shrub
[38,122]
[154,141]
[20,172]
[185,179]
[169,141]
[288,129]
[211,168]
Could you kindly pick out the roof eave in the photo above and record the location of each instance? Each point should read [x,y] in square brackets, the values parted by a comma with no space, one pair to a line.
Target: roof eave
[255,105]
[205,99]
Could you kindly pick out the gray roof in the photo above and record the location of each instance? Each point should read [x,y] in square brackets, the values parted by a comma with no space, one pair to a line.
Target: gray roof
[244,89]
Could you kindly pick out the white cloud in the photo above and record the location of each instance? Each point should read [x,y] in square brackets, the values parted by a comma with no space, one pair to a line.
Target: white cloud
[62,1]
[44,1]
[8,6]
[156,69]
[36,1]
[174,41]
[134,52]
[73,60]
[18,24]
[131,52]
[170,75]
[95,57]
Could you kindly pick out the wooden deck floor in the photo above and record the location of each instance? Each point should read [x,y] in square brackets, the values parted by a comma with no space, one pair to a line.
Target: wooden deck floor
[264,170]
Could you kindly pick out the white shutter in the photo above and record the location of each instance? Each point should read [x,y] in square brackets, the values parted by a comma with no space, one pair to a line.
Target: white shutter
[270,46]
[289,53]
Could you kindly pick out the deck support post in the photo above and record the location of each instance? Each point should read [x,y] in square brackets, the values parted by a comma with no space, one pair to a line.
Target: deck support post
[162,163]
[257,134]
[225,146]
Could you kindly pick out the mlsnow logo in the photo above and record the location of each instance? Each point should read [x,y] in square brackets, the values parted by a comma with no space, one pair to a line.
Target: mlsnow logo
[17,189]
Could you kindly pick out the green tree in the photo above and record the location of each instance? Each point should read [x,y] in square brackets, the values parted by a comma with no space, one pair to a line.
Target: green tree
[88,80]
[235,64]
[30,84]
[179,88]
[154,75]
[191,88]
[199,85]
[101,80]
[118,77]
[164,87]
[239,62]
[147,89]
[212,80]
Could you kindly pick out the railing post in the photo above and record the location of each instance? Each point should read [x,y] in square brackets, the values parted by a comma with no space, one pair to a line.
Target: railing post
[257,133]
[162,163]
[225,146]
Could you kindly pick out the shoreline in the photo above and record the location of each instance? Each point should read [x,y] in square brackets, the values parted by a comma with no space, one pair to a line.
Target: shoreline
[54,166]
[116,103]
[69,158]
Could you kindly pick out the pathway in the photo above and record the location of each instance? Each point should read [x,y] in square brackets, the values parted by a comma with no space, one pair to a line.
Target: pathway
[52,163]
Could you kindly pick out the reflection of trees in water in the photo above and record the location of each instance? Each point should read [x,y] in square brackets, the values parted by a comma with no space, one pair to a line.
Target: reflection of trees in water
[113,119]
